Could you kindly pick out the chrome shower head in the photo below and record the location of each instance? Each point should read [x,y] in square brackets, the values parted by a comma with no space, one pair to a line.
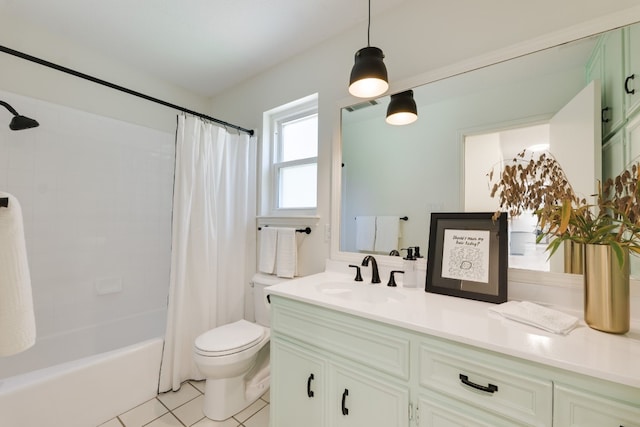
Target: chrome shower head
[19,122]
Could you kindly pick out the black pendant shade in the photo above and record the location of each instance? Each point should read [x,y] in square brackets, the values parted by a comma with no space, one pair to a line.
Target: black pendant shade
[369,74]
[402,109]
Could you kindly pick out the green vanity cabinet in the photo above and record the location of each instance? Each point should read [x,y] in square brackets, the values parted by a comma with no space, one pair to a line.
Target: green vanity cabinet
[301,385]
[579,408]
[332,368]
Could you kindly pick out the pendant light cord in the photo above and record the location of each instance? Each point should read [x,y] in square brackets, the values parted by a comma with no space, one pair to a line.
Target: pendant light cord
[369,26]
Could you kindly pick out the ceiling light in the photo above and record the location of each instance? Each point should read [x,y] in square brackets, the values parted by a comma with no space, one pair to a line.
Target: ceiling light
[369,74]
[402,109]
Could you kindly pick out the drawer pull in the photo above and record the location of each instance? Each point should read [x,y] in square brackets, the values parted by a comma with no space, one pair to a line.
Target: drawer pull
[488,389]
[345,410]
[309,391]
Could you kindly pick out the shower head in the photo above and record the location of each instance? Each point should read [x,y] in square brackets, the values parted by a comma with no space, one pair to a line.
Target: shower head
[19,122]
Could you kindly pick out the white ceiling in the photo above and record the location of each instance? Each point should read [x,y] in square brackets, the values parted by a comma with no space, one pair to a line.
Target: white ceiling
[204,46]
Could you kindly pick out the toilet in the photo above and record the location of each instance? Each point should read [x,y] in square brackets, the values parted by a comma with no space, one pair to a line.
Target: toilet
[234,358]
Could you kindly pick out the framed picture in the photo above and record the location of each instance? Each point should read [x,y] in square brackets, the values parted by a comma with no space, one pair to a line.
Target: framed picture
[468,256]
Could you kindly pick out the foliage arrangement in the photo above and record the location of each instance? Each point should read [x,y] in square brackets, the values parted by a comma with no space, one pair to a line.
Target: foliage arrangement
[541,186]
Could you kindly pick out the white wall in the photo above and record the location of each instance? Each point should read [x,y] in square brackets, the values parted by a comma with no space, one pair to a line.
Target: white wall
[96,197]
[417,38]
[26,78]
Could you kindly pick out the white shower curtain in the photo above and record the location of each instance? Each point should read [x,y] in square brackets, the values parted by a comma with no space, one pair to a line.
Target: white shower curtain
[213,215]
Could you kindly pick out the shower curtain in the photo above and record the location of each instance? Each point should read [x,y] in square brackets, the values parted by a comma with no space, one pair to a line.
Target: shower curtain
[213,215]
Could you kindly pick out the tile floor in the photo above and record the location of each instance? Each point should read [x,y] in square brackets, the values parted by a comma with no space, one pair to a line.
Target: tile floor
[184,408]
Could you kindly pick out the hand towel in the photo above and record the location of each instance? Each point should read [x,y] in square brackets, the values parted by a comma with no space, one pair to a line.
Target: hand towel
[365,233]
[387,233]
[536,315]
[17,319]
[267,251]
[286,253]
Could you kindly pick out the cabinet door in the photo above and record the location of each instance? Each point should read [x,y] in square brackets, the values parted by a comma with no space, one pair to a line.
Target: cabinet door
[358,398]
[632,68]
[613,83]
[435,410]
[298,379]
[632,136]
[574,408]
[613,156]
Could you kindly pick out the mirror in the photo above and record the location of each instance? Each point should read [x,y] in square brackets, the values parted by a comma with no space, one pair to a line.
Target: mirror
[411,171]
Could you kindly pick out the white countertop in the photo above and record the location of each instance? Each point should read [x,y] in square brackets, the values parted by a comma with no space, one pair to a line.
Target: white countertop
[584,350]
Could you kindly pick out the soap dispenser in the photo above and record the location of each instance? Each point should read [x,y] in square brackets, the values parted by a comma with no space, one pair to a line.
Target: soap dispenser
[410,277]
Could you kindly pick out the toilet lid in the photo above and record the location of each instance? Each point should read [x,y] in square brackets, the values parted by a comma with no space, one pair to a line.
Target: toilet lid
[229,338]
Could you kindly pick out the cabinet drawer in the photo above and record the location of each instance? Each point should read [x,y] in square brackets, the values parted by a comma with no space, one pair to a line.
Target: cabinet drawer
[373,344]
[435,410]
[476,378]
[575,408]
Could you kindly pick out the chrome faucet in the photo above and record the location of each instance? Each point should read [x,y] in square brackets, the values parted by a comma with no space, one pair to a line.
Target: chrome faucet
[375,276]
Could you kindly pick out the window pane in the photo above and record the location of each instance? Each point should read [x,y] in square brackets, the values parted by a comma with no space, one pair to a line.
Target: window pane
[300,138]
[298,186]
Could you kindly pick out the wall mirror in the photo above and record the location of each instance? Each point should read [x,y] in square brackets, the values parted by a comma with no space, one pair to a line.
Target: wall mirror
[440,162]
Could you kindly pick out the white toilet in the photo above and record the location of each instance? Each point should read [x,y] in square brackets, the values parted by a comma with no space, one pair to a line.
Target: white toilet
[234,358]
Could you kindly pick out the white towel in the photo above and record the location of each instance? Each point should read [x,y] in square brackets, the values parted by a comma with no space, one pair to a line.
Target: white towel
[17,320]
[536,315]
[267,252]
[387,233]
[365,233]
[286,253]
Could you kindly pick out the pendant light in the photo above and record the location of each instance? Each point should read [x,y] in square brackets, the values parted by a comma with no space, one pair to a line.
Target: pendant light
[402,109]
[368,75]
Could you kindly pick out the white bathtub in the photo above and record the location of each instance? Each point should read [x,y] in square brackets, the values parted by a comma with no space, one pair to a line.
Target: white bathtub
[83,393]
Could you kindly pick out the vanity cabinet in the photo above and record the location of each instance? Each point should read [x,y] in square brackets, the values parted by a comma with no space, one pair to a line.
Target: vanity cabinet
[578,408]
[501,387]
[330,369]
[302,382]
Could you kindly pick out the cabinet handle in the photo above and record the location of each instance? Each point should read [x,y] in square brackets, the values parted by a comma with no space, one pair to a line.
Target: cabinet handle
[309,391]
[604,119]
[626,84]
[345,410]
[488,389]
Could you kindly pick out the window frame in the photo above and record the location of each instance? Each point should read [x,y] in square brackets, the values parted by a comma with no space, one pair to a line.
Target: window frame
[306,107]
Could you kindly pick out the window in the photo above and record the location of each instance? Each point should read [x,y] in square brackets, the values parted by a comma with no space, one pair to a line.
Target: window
[294,154]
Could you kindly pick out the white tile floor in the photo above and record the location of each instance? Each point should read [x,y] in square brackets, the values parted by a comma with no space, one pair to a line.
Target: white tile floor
[184,408]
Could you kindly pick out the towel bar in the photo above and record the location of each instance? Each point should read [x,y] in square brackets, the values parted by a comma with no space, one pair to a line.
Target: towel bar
[306,230]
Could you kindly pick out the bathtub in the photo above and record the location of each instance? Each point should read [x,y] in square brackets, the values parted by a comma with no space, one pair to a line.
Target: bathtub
[81,393]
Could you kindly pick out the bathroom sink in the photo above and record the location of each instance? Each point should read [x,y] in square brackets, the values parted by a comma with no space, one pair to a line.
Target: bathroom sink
[360,292]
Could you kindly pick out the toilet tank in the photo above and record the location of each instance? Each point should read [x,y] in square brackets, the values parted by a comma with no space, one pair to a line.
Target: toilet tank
[260,305]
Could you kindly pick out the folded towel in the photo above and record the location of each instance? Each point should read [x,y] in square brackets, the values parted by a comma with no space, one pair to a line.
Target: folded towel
[536,315]
[286,253]
[387,233]
[365,233]
[267,251]
[17,320]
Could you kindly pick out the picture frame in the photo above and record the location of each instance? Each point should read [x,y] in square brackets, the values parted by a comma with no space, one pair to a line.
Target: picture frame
[468,256]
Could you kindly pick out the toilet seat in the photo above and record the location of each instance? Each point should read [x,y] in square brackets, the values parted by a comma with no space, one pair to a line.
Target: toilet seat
[228,339]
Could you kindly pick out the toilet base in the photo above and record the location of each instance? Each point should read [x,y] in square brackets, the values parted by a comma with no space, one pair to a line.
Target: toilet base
[226,397]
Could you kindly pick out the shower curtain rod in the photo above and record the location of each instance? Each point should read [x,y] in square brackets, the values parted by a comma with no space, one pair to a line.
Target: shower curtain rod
[117,87]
